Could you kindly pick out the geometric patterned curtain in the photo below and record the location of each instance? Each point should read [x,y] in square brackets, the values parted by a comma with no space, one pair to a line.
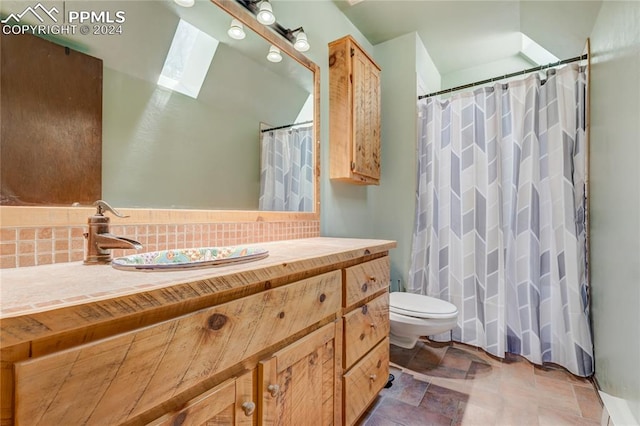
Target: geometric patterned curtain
[500,217]
[286,170]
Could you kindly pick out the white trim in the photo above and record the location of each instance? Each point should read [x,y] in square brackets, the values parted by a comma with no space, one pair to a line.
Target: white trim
[616,411]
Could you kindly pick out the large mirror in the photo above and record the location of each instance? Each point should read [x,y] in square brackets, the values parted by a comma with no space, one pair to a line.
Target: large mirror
[166,150]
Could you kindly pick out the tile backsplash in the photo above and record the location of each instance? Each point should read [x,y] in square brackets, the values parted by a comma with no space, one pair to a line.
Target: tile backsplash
[32,246]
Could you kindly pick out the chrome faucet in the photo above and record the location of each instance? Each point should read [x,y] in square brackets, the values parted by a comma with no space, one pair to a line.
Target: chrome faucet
[100,241]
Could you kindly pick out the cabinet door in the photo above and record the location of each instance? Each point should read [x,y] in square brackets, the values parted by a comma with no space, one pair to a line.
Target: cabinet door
[300,384]
[230,403]
[366,116]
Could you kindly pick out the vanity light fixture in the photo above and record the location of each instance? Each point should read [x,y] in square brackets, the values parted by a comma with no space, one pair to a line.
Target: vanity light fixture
[300,44]
[185,3]
[236,30]
[265,13]
[274,54]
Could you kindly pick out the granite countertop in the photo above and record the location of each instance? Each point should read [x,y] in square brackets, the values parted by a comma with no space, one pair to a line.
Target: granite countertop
[31,297]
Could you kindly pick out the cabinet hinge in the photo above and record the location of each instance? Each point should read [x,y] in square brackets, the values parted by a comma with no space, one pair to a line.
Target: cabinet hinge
[353,52]
[353,165]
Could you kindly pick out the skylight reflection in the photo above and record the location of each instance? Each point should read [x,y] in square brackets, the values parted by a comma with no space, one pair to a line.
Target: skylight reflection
[188,60]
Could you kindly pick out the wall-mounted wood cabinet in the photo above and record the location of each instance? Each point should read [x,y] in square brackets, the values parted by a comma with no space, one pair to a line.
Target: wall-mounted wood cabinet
[354,117]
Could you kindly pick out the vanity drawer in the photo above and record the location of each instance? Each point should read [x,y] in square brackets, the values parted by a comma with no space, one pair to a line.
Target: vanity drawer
[365,279]
[364,327]
[230,403]
[114,380]
[365,380]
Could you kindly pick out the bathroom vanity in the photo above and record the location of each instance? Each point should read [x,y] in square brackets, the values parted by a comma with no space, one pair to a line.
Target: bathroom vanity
[300,336]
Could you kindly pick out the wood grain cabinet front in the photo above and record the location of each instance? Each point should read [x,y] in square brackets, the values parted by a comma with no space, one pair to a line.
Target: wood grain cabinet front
[364,280]
[305,345]
[233,402]
[354,113]
[364,381]
[364,327]
[299,383]
[114,380]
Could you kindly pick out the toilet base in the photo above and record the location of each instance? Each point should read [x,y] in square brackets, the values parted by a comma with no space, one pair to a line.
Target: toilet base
[403,341]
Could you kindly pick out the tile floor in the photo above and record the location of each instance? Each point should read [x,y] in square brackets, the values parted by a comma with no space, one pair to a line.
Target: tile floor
[456,384]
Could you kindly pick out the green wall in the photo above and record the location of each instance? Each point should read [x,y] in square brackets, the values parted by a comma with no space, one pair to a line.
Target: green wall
[385,211]
[165,149]
[404,63]
[615,200]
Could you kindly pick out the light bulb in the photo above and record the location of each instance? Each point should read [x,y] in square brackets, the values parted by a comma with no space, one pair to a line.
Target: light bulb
[185,3]
[301,44]
[236,31]
[265,13]
[274,54]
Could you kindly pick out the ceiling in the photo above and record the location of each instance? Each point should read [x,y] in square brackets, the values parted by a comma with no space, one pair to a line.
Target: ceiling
[465,34]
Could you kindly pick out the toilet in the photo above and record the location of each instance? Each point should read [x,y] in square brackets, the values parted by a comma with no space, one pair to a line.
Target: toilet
[415,315]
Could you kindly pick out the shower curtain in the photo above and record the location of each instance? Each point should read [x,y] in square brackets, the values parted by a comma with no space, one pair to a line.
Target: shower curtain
[286,170]
[500,217]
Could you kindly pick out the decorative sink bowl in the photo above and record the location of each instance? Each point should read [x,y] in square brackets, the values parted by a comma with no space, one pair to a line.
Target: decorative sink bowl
[192,258]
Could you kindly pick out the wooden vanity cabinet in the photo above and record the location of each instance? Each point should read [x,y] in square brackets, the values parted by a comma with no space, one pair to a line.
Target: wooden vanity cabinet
[121,378]
[310,351]
[354,113]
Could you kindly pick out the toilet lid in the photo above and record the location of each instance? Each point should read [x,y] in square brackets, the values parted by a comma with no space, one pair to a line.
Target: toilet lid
[420,306]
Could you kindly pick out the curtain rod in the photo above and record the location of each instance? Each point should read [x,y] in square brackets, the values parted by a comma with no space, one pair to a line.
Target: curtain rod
[502,77]
[286,125]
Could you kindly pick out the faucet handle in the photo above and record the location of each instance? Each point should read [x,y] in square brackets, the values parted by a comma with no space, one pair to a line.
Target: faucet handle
[104,207]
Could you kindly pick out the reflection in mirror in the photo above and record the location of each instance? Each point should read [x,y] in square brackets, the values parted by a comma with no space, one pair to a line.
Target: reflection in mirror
[286,167]
[166,149]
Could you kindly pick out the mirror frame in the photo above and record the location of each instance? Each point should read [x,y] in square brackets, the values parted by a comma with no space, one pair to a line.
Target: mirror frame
[30,216]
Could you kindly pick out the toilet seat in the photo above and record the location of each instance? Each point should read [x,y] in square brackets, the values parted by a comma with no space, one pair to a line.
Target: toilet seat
[420,306]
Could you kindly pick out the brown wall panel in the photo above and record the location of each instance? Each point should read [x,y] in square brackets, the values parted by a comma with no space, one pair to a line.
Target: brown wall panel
[51,119]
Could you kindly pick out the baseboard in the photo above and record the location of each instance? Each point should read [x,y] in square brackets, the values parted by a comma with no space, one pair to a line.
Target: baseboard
[616,411]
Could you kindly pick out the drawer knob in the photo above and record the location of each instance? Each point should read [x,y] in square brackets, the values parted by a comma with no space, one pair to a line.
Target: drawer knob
[364,287]
[248,407]
[373,377]
[273,390]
